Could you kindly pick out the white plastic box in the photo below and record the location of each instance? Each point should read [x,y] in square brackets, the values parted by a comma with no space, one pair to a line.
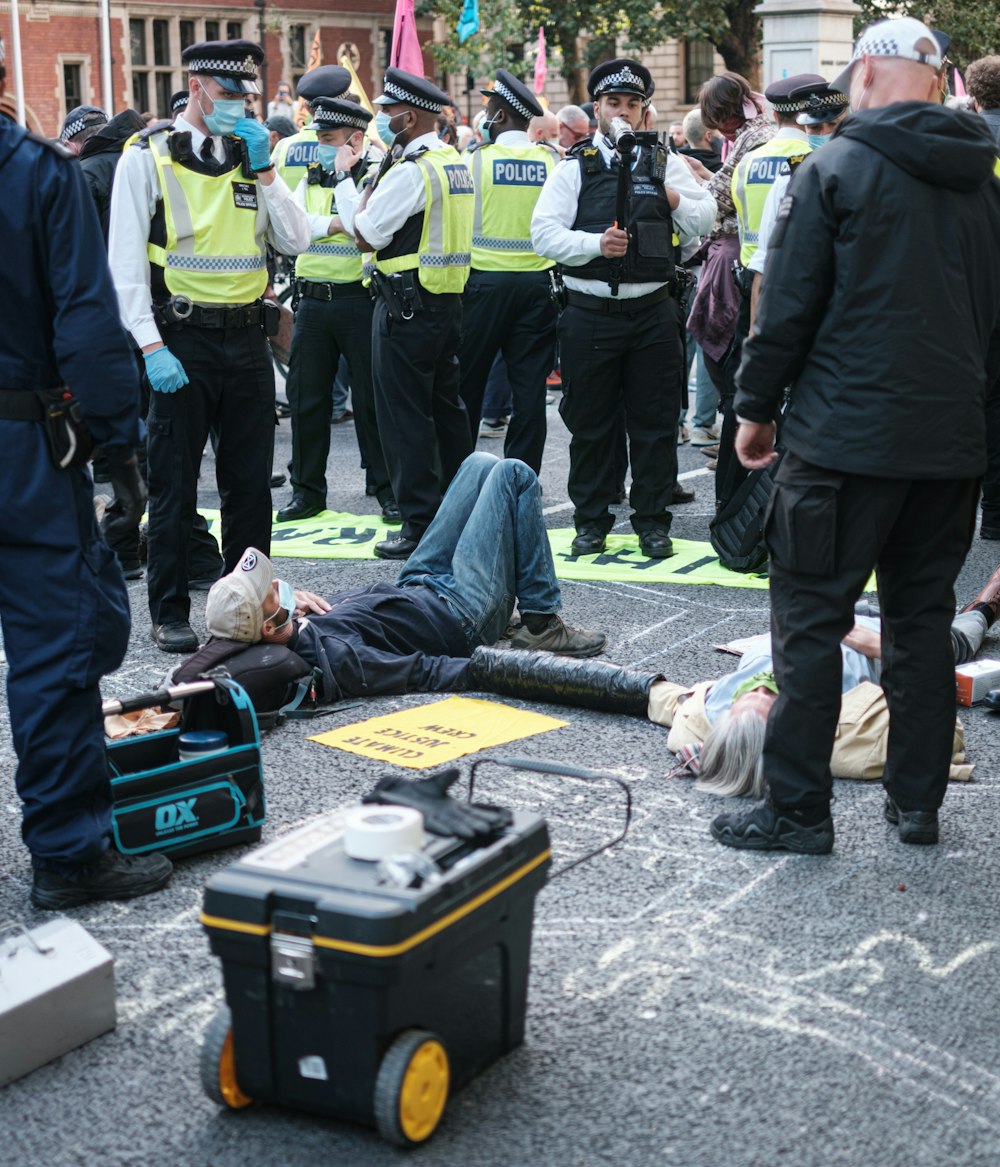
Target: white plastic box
[974,680]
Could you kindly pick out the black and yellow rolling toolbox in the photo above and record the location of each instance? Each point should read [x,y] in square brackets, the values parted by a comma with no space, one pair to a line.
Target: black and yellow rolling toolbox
[356,998]
[197,787]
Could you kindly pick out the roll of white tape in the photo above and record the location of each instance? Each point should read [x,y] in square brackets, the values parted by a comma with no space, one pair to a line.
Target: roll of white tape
[375,832]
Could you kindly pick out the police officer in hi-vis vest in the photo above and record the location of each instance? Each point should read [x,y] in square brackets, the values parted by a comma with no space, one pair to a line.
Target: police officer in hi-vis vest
[417,218]
[192,209]
[507,306]
[293,156]
[618,335]
[334,314]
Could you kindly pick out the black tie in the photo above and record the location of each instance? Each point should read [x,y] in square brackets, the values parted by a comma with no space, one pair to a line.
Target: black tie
[207,151]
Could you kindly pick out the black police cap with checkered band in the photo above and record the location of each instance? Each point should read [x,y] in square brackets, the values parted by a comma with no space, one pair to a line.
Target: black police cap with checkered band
[326,81]
[515,94]
[77,120]
[402,88]
[782,93]
[621,75]
[234,63]
[331,113]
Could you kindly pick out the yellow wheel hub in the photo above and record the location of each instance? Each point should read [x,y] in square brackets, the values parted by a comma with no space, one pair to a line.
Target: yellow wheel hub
[424,1091]
[228,1086]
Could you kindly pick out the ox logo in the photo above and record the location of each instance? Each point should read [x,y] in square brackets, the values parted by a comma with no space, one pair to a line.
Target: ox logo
[176,816]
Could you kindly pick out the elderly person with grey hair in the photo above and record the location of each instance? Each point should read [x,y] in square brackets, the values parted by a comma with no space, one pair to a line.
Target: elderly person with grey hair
[717,727]
[574,126]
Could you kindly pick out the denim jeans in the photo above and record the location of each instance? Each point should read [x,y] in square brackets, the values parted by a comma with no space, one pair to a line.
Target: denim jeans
[486,547]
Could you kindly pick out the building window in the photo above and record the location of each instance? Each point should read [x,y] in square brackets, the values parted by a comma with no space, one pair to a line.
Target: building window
[155,47]
[234,30]
[137,35]
[699,65]
[211,30]
[297,47]
[161,42]
[188,37]
[384,48]
[140,92]
[72,86]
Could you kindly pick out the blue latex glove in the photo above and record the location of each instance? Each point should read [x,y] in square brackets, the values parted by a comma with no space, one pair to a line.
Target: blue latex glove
[258,140]
[165,372]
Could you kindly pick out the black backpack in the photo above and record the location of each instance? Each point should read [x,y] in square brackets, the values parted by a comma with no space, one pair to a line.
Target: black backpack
[737,531]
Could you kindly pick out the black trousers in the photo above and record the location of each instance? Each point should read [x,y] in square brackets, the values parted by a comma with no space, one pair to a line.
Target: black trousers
[729,473]
[826,532]
[423,423]
[231,391]
[323,332]
[608,361]
[511,313]
[991,479]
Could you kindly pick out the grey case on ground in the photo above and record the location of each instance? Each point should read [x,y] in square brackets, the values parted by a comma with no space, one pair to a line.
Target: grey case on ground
[57,991]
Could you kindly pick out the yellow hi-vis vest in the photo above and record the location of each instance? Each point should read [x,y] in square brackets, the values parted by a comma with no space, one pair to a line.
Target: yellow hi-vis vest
[215,227]
[293,155]
[508,181]
[334,258]
[752,182]
[443,256]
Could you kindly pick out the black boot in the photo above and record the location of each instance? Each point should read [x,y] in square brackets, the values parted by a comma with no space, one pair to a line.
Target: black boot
[541,676]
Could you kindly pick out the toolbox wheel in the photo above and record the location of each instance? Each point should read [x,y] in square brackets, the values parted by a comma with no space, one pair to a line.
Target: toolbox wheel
[411,1088]
[218,1063]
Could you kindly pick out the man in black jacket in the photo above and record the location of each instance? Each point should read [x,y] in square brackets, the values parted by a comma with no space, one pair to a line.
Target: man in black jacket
[874,282]
[99,158]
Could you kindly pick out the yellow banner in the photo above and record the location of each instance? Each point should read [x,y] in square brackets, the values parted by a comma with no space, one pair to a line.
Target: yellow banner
[432,735]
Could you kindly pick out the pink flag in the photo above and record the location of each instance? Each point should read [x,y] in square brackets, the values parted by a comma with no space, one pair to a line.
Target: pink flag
[959,85]
[540,66]
[405,46]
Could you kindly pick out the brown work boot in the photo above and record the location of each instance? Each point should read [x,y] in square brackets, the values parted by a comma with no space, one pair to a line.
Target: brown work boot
[989,596]
[561,638]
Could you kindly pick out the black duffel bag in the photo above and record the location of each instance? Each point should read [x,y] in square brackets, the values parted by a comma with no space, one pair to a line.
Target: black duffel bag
[737,531]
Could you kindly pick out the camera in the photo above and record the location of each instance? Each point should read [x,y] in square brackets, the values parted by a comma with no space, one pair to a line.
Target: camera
[621,136]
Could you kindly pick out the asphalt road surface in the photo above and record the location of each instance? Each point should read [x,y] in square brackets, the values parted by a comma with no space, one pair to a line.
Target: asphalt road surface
[688,1004]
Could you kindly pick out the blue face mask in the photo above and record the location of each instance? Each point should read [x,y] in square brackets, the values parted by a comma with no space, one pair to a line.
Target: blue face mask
[326,156]
[817,140]
[486,128]
[286,599]
[224,116]
[382,127]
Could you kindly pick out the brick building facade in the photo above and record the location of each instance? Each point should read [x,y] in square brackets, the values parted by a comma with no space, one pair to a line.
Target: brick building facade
[61,52]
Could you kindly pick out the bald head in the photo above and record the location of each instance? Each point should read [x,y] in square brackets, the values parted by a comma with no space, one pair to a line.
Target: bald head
[544,128]
[879,81]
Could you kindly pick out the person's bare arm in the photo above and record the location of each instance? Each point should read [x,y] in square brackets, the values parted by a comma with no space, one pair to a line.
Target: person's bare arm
[866,641]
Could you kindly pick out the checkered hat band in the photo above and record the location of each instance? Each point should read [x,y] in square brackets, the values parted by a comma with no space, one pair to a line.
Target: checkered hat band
[180,103]
[790,106]
[246,68]
[72,129]
[622,77]
[888,46]
[407,98]
[337,121]
[511,98]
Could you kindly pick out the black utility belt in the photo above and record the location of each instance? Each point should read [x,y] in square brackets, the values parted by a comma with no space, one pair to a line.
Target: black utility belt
[21,405]
[69,440]
[327,291]
[614,305]
[179,310]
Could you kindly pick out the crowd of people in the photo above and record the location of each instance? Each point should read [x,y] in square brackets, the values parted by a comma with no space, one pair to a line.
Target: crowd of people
[453,277]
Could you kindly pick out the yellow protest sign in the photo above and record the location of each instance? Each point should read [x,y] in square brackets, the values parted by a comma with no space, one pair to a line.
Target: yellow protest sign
[431,735]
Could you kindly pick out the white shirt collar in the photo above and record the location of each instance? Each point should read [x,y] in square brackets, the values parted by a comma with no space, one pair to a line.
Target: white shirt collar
[792,132]
[430,140]
[513,138]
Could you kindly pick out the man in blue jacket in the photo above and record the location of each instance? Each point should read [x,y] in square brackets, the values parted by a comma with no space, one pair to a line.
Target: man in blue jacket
[485,548]
[62,597]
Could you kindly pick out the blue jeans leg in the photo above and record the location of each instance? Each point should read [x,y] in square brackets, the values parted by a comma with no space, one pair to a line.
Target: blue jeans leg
[488,546]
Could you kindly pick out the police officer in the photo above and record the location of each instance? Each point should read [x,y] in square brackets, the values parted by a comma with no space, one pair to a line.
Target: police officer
[507,306]
[179,102]
[62,598]
[80,124]
[417,218]
[618,336]
[293,155]
[192,209]
[334,314]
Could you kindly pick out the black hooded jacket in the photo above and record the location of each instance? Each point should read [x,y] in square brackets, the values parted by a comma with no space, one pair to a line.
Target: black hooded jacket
[99,157]
[881,301]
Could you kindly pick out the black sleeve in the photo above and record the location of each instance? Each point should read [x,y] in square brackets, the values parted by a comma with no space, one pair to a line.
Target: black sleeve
[795,293]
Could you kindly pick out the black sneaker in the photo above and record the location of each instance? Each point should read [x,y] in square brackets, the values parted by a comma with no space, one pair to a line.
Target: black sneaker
[915,826]
[113,877]
[763,829]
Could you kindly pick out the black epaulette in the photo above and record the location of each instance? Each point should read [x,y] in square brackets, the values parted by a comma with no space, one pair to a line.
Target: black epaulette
[796,160]
[584,144]
[55,147]
[590,158]
[159,127]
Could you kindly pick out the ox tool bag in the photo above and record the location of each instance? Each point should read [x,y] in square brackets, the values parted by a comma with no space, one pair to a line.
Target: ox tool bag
[195,787]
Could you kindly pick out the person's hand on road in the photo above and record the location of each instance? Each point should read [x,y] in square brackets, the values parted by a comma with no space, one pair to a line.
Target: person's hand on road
[165,372]
[755,444]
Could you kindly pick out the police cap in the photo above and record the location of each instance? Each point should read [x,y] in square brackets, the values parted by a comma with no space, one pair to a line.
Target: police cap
[402,88]
[179,100]
[823,104]
[781,93]
[234,64]
[326,81]
[514,93]
[282,126]
[80,119]
[333,113]
[621,75]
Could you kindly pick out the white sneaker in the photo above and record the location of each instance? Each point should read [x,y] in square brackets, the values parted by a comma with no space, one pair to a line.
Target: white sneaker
[704,435]
[493,428]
